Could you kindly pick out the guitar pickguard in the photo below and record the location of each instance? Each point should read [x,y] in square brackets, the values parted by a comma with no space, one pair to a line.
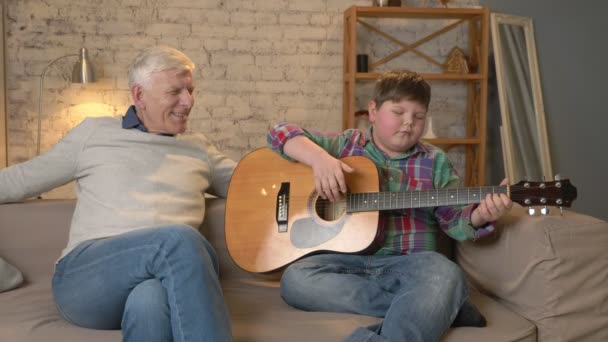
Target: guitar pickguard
[326,220]
[306,233]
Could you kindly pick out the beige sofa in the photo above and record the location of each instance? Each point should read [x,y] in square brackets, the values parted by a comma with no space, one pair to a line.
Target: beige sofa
[542,278]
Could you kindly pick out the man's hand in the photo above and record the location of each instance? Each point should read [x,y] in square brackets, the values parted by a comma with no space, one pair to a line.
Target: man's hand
[491,208]
[329,176]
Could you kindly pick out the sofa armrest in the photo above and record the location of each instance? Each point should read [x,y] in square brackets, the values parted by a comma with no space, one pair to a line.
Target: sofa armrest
[552,270]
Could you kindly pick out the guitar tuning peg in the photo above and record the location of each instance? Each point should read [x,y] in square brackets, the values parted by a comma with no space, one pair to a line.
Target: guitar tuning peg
[544,211]
[557,177]
[531,211]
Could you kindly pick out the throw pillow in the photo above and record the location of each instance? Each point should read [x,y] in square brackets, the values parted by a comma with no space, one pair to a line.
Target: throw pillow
[10,277]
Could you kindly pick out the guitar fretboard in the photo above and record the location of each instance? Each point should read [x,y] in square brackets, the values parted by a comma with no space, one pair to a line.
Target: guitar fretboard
[371,201]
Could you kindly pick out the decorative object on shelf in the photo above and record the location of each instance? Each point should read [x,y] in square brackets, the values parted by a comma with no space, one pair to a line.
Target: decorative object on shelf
[456,62]
[444,3]
[473,60]
[82,73]
[383,3]
[362,120]
[428,132]
[362,63]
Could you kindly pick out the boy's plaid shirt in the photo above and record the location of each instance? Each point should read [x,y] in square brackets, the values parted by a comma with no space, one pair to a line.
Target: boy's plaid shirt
[424,167]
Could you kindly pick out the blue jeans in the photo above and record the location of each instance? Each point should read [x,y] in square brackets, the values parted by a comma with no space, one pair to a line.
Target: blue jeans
[418,295]
[157,284]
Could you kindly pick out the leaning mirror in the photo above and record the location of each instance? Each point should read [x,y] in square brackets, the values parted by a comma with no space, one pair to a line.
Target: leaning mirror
[523,131]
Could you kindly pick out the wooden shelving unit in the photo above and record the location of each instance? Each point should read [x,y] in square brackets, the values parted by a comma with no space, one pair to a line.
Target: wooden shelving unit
[478,20]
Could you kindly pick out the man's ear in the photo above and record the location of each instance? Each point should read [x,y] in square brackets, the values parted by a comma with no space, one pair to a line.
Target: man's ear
[137,92]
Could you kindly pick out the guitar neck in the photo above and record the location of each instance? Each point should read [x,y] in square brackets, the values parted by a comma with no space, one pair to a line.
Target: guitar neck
[386,200]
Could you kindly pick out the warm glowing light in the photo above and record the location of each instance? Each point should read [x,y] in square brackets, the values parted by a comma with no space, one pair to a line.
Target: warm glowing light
[91,109]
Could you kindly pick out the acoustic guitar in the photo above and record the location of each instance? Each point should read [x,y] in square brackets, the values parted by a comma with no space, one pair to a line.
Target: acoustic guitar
[274,216]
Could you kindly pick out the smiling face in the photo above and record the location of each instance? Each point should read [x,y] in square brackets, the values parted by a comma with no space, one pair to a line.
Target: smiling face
[164,101]
[397,126]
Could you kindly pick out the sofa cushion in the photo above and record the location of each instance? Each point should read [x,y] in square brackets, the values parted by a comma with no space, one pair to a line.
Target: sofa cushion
[552,270]
[29,314]
[259,314]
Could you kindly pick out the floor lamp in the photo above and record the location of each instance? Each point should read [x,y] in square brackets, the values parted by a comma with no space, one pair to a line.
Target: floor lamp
[82,73]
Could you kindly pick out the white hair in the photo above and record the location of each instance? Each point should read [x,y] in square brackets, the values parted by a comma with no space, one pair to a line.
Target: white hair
[156,59]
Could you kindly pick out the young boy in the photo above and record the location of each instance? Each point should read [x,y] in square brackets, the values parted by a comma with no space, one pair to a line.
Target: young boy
[418,291]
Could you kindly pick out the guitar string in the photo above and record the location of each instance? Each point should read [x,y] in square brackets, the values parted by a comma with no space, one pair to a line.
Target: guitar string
[515,191]
[342,204]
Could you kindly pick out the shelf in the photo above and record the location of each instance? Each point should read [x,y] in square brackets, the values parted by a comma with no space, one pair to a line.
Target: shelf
[431,76]
[476,22]
[417,13]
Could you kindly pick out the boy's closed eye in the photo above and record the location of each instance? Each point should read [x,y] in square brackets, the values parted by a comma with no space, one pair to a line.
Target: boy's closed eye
[418,115]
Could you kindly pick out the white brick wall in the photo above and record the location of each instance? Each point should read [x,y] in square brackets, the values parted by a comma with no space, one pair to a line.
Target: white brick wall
[259,62]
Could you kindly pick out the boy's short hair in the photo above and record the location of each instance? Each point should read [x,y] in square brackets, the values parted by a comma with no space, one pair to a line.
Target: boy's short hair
[399,85]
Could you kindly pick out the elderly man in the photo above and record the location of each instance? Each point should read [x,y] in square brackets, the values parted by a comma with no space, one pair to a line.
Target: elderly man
[134,259]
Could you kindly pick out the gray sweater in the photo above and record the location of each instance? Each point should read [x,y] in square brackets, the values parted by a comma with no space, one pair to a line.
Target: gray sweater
[125,179]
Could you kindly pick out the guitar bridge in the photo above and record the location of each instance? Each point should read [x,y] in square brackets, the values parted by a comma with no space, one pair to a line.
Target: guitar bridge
[282,207]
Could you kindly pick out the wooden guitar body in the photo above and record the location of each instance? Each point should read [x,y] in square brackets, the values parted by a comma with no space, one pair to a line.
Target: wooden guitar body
[257,242]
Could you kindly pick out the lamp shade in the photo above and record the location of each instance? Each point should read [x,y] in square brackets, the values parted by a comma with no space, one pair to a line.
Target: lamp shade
[83,70]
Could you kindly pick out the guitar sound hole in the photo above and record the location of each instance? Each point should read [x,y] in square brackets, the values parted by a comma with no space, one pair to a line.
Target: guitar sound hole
[330,211]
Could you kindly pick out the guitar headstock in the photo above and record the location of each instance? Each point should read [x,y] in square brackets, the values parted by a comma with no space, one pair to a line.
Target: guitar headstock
[559,193]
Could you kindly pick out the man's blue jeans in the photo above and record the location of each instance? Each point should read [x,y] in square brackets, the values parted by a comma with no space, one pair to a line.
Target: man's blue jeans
[157,284]
[418,295]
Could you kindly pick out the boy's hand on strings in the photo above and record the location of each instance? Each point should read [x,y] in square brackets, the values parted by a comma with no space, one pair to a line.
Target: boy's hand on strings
[329,176]
[491,208]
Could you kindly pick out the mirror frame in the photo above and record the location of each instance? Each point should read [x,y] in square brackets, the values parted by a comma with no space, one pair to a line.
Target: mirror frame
[506,130]
[4,153]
